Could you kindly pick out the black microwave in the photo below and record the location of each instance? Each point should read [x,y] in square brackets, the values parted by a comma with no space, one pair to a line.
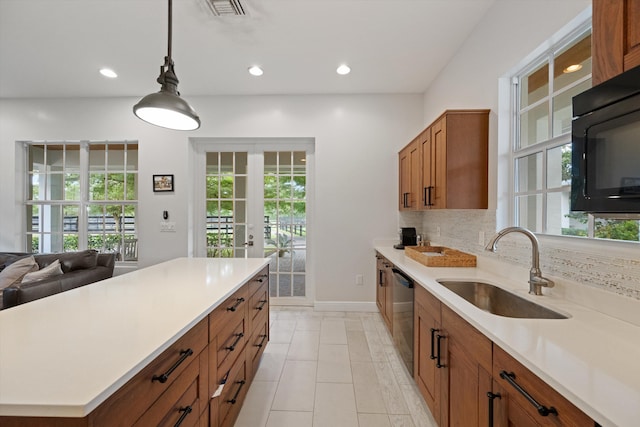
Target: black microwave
[605,160]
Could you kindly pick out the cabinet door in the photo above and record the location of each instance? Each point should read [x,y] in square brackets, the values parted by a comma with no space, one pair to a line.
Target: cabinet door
[615,39]
[426,373]
[388,296]
[380,294]
[439,164]
[409,176]
[426,178]
[467,368]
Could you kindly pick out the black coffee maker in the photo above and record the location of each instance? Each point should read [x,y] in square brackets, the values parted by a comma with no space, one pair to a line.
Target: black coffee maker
[408,237]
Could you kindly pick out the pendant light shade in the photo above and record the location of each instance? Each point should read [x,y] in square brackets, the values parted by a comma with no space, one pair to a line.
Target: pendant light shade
[165,108]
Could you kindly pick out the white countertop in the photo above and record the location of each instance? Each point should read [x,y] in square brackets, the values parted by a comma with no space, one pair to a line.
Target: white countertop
[591,358]
[64,355]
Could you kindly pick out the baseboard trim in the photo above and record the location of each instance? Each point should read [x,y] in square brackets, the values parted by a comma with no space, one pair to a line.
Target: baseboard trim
[370,307]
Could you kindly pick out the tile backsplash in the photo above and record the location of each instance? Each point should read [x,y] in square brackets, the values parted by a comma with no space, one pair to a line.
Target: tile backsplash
[617,271]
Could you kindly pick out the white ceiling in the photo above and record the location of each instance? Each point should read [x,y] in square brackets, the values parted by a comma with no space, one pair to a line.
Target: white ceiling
[54,48]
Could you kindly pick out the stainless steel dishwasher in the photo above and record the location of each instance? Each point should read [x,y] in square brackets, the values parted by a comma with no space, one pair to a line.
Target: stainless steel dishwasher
[403,316]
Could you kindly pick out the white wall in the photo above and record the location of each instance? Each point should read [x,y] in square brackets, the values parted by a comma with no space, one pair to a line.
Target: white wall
[357,140]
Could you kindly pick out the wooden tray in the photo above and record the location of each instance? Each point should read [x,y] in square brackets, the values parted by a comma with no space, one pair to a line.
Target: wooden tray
[440,256]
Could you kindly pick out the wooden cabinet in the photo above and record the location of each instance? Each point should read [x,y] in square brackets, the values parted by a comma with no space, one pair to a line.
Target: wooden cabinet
[467,367]
[176,387]
[409,176]
[384,290]
[615,38]
[446,166]
[427,330]
[452,364]
[512,408]
[461,375]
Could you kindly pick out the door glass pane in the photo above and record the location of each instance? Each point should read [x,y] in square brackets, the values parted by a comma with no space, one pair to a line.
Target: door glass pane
[285,221]
[529,173]
[226,205]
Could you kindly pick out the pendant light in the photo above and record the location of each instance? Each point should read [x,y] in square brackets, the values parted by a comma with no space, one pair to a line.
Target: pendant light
[166,108]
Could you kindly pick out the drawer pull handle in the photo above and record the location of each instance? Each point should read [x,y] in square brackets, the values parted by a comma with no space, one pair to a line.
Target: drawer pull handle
[432,356]
[264,337]
[185,411]
[164,377]
[235,397]
[510,377]
[491,397]
[236,305]
[235,343]
[262,303]
[438,361]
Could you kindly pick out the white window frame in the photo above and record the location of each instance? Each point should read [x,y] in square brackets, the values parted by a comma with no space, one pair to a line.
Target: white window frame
[83,201]
[545,56]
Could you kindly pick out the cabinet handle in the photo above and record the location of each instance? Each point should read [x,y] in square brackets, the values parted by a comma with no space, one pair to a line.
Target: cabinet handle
[185,411]
[491,397]
[510,377]
[235,397]
[438,361]
[235,306]
[380,276]
[235,343]
[164,377]
[262,303]
[429,203]
[264,337]
[432,356]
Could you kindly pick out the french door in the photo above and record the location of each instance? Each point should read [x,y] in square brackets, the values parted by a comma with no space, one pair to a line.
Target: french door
[255,202]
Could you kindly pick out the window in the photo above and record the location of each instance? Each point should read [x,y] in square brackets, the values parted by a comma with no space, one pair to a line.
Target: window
[82,195]
[541,152]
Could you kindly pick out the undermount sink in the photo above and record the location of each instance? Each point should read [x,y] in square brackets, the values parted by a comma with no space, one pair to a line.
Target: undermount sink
[497,301]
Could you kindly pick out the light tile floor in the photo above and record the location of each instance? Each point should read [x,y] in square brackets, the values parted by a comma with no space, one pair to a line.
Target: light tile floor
[331,369]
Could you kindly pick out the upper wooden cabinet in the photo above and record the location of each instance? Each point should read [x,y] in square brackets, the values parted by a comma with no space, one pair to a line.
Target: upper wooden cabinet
[446,166]
[409,173]
[615,38]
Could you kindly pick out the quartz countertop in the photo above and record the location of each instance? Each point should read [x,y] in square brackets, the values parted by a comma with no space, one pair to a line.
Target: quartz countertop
[591,358]
[62,356]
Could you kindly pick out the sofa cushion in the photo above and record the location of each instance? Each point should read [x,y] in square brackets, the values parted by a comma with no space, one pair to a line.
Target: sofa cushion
[70,261]
[16,271]
[52,270]
[9,258]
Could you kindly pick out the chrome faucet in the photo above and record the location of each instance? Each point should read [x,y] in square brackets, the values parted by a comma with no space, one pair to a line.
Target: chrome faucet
[536,281]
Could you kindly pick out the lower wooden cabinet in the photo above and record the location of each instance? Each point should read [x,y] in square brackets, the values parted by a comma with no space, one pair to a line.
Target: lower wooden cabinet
[467,380]
[384,290]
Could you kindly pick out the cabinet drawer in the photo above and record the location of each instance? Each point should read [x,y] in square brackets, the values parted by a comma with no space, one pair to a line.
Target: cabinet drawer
[257,343]
[230,344]
[233,394]
[541,392]
[258,280]
[183,403]
[232,309]
[136,396]
[259,302]
[428,302]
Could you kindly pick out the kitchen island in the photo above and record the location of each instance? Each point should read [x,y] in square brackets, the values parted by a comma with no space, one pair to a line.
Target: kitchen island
[590,358]
[67,356]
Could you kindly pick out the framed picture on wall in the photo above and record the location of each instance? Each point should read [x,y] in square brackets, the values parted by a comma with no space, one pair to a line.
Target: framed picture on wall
[162,183]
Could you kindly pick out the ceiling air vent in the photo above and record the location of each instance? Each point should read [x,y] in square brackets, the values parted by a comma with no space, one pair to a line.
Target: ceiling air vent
[226,7]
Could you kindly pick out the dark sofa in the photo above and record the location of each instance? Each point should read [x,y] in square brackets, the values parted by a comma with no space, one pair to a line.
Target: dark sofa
[79,269]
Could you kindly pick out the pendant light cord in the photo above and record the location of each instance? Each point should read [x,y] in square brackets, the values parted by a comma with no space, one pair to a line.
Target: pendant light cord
[170,32]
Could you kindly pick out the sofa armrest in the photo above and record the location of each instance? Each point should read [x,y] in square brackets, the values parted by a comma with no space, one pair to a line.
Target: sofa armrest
[107,260]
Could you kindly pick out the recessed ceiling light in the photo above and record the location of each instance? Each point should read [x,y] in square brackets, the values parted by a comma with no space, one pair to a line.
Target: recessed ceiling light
[255,71]
[572,68]
[108,72]
[343,69]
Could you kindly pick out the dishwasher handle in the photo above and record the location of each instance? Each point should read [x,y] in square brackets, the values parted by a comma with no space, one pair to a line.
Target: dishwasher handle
[402,278]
